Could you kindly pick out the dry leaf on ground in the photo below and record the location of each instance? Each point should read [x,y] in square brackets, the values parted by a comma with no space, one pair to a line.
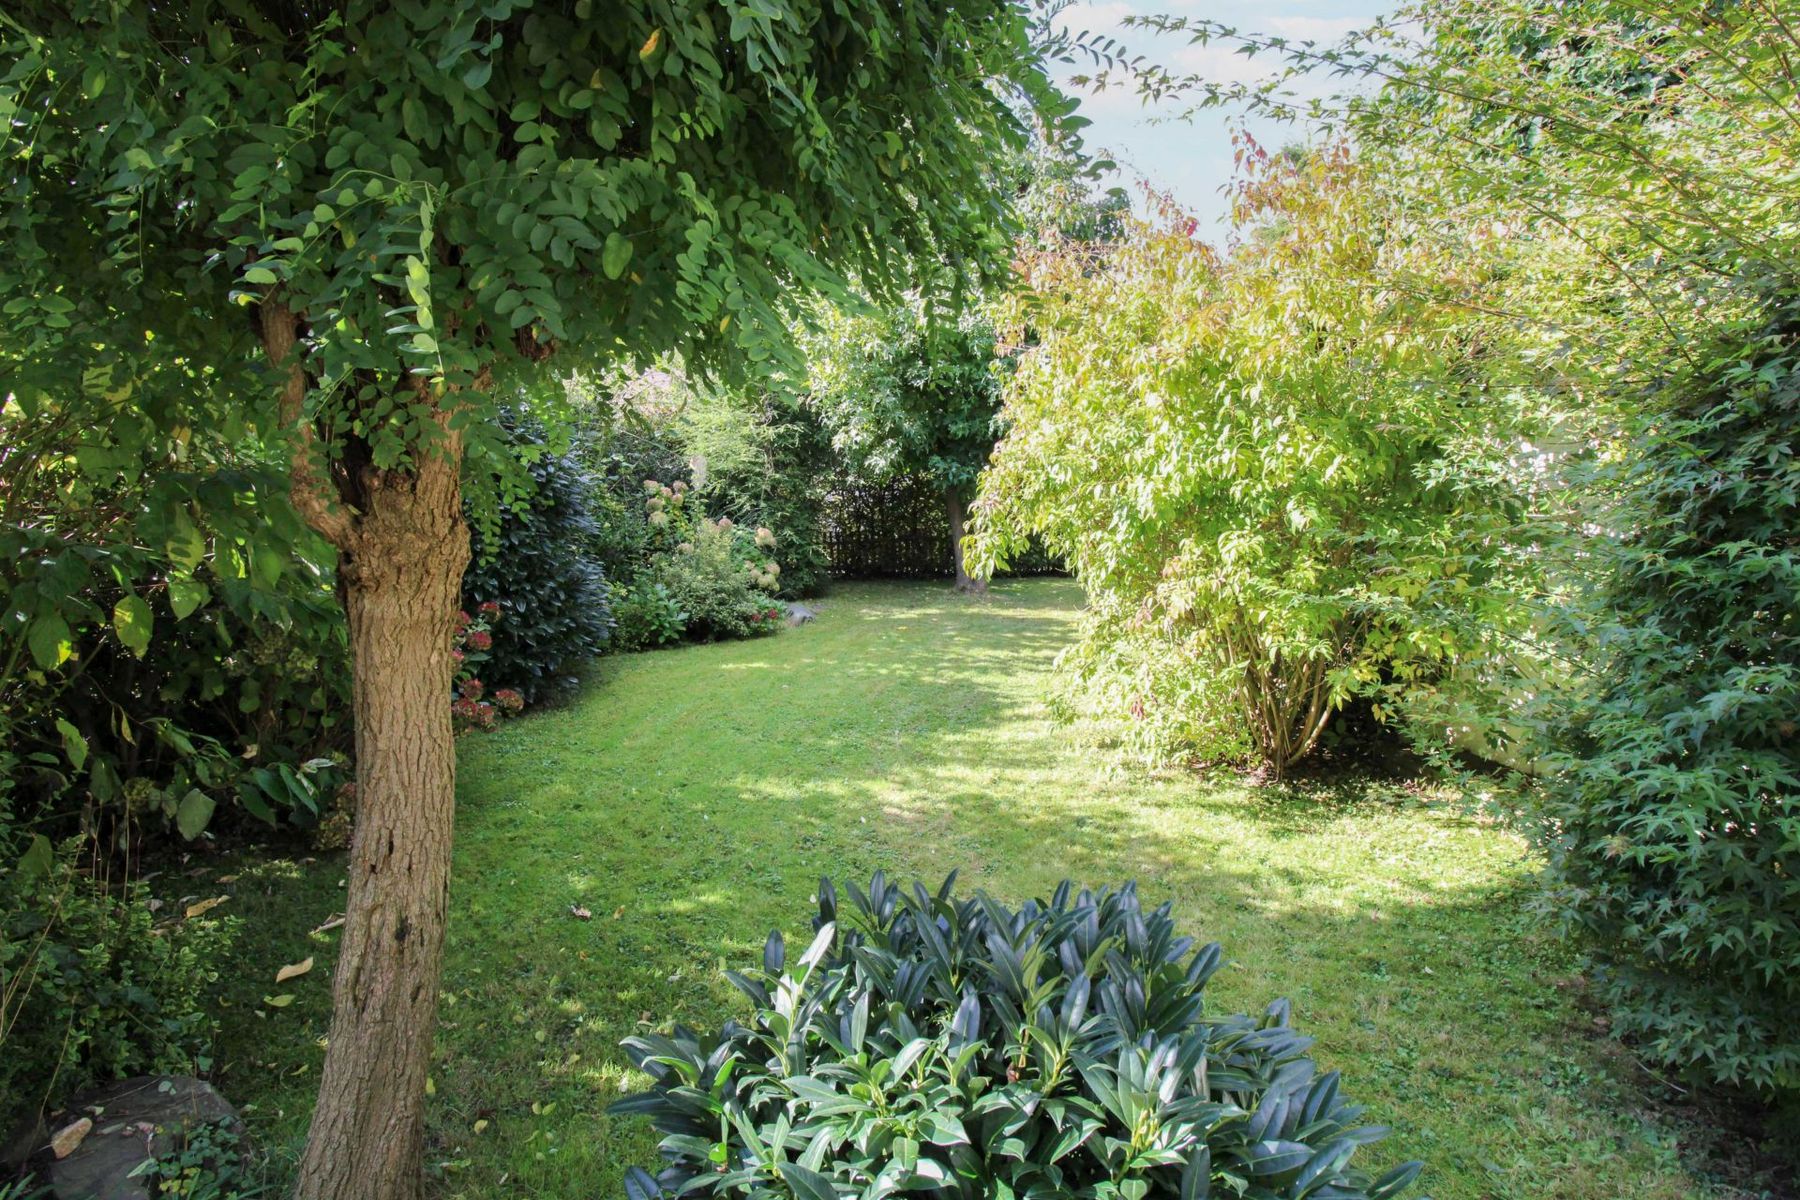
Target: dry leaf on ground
[294,969]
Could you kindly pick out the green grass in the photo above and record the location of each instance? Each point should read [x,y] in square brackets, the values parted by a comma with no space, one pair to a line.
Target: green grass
[692,797]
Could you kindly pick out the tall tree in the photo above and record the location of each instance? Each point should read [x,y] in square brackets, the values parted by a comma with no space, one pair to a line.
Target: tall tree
[353,223]
[907,394]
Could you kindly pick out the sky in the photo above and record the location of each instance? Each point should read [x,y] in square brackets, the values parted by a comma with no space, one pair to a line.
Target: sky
[1193,160]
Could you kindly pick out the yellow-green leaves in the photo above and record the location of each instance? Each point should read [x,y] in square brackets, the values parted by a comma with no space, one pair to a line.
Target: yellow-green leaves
[186,596]
[132,622]
[50,641]
[75,747]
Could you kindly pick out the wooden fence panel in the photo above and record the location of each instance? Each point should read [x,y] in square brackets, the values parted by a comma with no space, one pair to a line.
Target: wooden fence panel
[898,532]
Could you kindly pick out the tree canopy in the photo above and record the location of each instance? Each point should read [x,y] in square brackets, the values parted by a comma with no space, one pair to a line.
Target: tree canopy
[353,230]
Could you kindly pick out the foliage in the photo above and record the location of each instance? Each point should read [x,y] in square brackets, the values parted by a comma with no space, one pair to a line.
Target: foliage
[207,1163]
[474,706]
[1396,924]
[535,563]
[1671,815]
[1641,166]
[464,172]
[1253,465]
[416,206]
[109,548]
[909,391]
[1633,164]
[777,478]
[91,986]
[718,576]
[645,615]
[903,391]
[958,1046]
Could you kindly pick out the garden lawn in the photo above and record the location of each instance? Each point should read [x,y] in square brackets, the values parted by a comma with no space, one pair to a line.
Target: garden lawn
[690,799]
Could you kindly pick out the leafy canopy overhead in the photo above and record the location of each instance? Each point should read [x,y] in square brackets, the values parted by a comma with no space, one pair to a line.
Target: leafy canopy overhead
[440,191]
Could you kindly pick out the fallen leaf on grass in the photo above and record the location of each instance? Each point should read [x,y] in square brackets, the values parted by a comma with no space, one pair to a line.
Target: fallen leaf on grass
[205,906]
[69,1137]
[580,913]
[228,879]
[278,1001]
[330,924]
[293,970]
[618,912]
[480,1125]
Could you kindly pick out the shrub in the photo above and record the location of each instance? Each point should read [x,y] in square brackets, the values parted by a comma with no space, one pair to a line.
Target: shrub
[535,563]
[926,1042]
[778,479]
[1672,813]
[716,574]
[1256,465]
[90,987]
[645,615]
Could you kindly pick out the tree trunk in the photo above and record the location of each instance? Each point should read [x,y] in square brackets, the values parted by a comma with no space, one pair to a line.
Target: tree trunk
[953,506]
[402,584]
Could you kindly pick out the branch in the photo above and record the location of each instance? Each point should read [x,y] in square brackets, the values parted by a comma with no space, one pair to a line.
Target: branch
[312,496]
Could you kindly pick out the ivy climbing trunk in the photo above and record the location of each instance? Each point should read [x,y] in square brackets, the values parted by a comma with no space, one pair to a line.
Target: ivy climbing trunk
[956,510]
[402,584]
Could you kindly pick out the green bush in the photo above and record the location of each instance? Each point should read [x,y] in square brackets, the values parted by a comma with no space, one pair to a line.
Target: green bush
[722,586]
[1672,814]
[536,564]
[172,624]
[91,987]
[645,615]
[928,1043]
[1255,467]
[778,481]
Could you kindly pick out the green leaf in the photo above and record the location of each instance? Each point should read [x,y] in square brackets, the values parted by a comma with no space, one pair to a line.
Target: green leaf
[193,813]
[807,1185]
[37,861]
[615,255]
[260,275]
[133,623]
[74,745]
[51,643]
[186,595]
[186,544]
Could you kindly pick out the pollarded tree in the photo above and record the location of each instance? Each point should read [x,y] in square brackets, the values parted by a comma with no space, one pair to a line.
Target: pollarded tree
[905,394]
[354,223]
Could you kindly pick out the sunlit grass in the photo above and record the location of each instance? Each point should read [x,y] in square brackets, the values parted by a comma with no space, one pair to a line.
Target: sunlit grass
[690,800]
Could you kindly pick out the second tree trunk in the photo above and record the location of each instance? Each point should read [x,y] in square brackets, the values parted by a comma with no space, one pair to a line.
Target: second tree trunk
[954,509]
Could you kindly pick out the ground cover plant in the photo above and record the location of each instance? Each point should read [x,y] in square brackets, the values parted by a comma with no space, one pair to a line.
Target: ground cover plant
[614,866]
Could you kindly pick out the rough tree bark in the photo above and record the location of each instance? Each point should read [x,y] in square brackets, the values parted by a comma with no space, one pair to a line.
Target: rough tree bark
[402,550]
[955,509]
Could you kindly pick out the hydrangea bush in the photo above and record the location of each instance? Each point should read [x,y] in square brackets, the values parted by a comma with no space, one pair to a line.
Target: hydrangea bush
[926,1042]
[473,708]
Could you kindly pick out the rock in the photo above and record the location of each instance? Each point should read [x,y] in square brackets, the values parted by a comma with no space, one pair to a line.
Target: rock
[800,614]
[68,1139]
[133,1120]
